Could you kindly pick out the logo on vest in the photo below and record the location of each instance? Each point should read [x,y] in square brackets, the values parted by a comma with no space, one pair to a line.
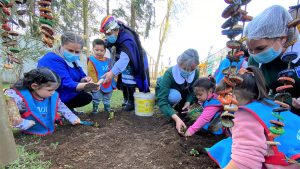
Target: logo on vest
[298,135]
[43,111]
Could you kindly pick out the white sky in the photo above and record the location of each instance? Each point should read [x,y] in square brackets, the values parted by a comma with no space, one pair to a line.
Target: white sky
[198,27]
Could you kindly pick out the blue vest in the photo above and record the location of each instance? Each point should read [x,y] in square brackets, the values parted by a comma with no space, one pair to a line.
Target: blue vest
[225,64]
[290,140]
[101,68]
[208,103]
[44,113]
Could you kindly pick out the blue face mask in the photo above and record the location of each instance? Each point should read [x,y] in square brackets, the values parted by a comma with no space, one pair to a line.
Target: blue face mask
[185,74]
[70,57]
[111,38]
[266,56]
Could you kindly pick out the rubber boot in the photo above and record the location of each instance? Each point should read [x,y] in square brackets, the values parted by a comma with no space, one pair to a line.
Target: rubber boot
[130,103]
[125,95]
[107,109]
[95,108]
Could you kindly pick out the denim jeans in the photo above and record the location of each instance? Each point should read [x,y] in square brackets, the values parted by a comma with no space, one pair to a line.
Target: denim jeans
[101,96]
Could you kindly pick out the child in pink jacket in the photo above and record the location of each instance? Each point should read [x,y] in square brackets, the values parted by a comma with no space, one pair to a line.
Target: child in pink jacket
[204,90]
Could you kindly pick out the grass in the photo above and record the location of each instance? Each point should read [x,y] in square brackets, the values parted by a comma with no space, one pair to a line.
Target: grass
[115,102]
[28,160]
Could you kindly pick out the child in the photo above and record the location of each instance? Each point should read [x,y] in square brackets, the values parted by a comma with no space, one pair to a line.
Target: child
[39,103]
[252,144]
[204,90]
[98,65]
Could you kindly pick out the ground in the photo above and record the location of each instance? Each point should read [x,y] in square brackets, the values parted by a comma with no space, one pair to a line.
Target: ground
[127,141]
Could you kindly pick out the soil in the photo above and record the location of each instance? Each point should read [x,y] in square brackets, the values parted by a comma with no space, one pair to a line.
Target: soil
[127,141]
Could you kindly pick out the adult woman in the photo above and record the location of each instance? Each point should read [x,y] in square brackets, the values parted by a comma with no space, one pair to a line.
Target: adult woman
[132,63]
[65,62]
[267,38]
[175,87]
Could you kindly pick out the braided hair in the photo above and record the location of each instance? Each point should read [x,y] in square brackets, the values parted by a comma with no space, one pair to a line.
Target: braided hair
[41,76]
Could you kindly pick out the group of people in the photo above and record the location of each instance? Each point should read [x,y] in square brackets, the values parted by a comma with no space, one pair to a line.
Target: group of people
[59,85]
[247,147]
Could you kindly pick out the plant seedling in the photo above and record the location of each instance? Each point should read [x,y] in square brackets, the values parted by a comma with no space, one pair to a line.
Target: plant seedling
[183,129]
[194,152]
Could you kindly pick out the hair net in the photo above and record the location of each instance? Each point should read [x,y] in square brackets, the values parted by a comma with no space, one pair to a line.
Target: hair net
[271,23]
[71,37]
[188,58]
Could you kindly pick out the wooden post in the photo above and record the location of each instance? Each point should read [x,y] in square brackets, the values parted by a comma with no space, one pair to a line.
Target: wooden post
[8,151]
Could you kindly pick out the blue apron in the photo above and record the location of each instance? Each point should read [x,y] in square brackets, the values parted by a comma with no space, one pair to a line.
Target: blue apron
[290,140]
[101,68]
[44,113]
[212,102]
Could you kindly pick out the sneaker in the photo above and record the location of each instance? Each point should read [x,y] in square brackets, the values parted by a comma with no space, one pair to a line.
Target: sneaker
[129,106]
[77,112]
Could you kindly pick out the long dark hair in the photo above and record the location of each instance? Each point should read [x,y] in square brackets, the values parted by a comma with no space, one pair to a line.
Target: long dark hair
[206,83]
[40,76]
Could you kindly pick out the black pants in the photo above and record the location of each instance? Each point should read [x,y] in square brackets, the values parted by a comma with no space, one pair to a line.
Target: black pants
[80,100]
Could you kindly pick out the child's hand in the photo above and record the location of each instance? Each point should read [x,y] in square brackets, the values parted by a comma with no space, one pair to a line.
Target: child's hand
[187,133]
[26,124]
[77,121]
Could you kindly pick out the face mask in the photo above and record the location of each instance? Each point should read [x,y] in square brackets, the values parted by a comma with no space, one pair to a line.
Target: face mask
[185,74]
[111,38]
[266,56]
[70,57]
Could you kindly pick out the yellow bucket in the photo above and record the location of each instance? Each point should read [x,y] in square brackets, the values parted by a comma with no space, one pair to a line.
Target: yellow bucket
[144,104]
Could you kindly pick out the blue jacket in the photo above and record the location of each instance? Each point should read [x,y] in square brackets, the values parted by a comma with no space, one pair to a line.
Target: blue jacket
[290,140]
[101,67]
[127,43]
[44,113]
[70,77]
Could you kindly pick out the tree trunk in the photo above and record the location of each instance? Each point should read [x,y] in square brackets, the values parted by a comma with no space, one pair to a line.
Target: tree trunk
[32,22]
[107,7]
[85,25]
[8,151]
[164,28]
[133,14]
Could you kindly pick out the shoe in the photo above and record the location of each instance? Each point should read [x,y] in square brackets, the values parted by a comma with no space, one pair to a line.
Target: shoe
[111,115]
[129,106]
[77,112]
[95,109]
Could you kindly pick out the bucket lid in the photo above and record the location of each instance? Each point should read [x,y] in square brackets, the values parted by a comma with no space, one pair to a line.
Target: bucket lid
[144,95]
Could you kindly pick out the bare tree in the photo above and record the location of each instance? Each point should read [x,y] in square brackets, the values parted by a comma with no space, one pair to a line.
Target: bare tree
[163,31]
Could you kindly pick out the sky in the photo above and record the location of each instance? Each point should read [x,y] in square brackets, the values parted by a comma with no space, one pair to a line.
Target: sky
[198,26]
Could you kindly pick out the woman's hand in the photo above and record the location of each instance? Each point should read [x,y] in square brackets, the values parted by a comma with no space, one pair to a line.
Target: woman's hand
[86,79]
[180,126]
[186,106]
[296,103]
[108,76]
